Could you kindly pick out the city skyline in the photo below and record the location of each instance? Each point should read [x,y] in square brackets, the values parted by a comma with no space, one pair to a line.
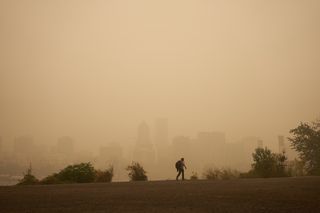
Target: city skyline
[152,148]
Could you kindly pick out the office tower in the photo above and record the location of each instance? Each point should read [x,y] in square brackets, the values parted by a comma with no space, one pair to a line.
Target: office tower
[144,152]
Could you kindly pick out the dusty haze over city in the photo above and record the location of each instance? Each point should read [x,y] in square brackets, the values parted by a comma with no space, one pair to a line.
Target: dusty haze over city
[95,70]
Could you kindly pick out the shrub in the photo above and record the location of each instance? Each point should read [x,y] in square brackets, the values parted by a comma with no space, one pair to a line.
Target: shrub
[194,176]
[104,176]
[267,164]
[78,173]
[211,174]
[296,168]
[51,179]
[136,172]
[220,174]
[227,174]
[28,178]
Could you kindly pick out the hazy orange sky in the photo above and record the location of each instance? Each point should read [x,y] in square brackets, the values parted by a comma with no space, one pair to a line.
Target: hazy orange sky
[95,69]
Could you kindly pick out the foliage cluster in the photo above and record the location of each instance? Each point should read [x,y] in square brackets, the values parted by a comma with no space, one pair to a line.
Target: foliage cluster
[220,174]
[296,168]
[268,164]
[28,178]
[77,173]
[306,141]
[194,176]
[104,176]
[136,172]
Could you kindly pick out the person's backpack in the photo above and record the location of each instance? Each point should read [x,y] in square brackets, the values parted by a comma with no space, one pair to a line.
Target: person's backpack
[178,165]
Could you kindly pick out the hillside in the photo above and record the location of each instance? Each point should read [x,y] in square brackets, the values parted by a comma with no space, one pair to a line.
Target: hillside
[242,195]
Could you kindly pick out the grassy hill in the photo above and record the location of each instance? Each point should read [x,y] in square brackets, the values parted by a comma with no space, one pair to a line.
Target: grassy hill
[242,195]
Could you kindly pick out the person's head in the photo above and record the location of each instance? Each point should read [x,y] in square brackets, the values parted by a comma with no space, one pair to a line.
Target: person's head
[182,159]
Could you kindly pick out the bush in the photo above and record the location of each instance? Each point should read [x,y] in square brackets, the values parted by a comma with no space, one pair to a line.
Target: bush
[296,168]
[104,176]
[227,174]
[267,164]
[136,172]
[28,178]
[220,174]
[78,173]
[211,174]
[194,176]
[51,179]
[249,174]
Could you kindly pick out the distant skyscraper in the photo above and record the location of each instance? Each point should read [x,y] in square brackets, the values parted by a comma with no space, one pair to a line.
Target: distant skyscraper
[143,139]
[260,143]
[144,152]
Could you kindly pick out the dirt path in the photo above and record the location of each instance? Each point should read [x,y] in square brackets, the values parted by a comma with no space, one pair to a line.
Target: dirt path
[244,195]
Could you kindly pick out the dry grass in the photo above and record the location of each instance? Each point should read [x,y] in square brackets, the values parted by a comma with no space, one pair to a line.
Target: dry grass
[239,195]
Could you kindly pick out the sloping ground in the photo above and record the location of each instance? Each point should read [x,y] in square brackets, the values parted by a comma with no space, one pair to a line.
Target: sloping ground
[243,195]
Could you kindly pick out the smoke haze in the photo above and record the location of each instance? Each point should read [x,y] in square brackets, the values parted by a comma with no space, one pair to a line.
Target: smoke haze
[94,70]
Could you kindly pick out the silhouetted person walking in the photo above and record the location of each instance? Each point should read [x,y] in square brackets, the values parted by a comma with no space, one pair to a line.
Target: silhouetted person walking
[180,166]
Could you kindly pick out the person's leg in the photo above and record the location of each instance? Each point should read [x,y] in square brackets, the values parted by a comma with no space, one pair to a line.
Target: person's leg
[178,175]
[182,171]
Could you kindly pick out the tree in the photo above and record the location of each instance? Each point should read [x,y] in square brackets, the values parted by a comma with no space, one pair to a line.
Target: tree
[267,164]
[306,141]
[136,172]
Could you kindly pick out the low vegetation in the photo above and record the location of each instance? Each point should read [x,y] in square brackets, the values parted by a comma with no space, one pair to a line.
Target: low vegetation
[267,164]
[28,178]
[220,174]
[77,173]
[104,176]
[136,172]
[194,176]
